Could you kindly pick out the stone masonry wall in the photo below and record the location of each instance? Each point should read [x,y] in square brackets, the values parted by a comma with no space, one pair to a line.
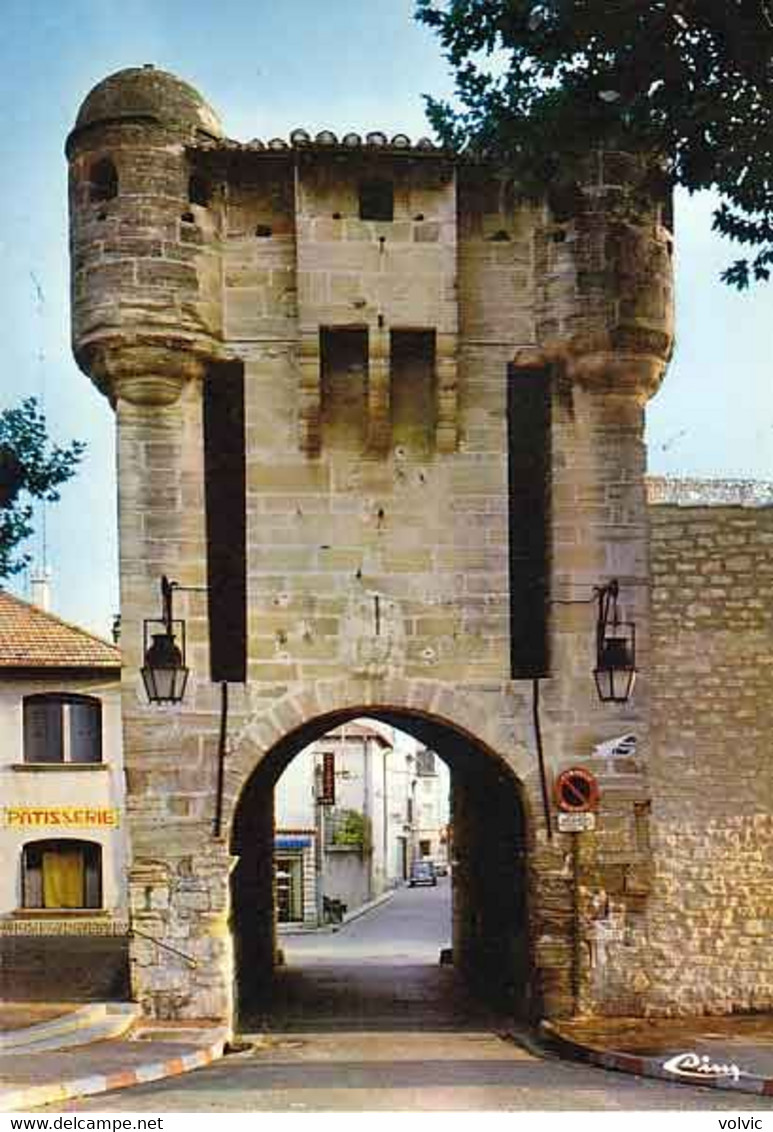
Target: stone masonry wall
[711,908]
[377,524]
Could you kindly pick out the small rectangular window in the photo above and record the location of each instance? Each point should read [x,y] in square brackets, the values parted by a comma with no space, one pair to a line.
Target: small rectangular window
[62,874]
[425,763]
[377,199]
[43,731]
[61,728]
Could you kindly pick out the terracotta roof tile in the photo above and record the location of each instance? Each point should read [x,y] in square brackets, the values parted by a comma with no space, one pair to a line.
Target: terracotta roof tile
[32,638]
[373,141]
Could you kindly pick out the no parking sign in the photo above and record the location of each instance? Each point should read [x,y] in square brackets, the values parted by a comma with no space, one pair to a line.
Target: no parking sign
[577,791]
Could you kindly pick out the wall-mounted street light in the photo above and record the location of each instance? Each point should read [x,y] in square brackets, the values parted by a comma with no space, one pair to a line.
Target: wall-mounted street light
[614,674]
[615,671]
[164,672]
[165,675]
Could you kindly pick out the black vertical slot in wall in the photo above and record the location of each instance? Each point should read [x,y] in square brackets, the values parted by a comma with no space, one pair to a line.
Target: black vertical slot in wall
[225,494]
[528,446]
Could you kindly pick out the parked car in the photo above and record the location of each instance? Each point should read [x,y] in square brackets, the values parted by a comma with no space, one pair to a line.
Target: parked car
[441,869]
[422,872]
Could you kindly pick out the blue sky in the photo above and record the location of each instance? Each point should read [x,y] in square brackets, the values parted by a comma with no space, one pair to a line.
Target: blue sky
[266,68]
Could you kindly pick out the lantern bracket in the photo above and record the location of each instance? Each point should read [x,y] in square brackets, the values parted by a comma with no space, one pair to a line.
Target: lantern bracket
[615,669]
[164,672]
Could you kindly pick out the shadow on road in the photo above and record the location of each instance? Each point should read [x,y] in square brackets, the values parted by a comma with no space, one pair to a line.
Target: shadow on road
[381,972]
[380,997]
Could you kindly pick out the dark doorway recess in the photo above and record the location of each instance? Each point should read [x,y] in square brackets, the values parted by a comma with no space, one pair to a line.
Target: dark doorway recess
[491,946]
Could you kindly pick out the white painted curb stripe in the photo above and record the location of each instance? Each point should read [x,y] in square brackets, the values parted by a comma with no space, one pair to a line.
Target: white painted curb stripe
[21,1100]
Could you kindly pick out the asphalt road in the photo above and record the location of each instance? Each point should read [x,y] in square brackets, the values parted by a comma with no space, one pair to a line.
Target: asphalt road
[365,1019]
[411,928]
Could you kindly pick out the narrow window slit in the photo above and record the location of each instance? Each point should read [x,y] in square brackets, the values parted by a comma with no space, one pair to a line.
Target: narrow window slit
[529,470]
[199,190]
[103,181]
[226,520]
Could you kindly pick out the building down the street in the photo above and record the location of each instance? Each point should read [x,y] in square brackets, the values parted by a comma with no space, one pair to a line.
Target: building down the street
[380,446]
[63,852]
[353,811]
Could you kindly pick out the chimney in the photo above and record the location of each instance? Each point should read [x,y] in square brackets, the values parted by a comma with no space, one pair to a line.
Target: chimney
[40,588]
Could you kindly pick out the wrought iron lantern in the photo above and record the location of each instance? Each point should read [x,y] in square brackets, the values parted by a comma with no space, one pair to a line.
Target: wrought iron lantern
[615,671]
[164,672]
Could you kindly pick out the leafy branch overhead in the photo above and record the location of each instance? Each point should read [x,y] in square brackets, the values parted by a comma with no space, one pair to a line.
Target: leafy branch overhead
[30,468]
[539,81]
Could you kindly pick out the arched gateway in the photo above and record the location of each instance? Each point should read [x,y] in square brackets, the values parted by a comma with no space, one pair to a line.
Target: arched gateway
[490,875]
[382,425]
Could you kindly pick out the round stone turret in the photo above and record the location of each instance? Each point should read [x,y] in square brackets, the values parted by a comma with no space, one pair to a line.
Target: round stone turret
[145,225]
[144,92]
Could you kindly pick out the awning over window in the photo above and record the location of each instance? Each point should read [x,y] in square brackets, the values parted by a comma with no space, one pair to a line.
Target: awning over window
[292,842]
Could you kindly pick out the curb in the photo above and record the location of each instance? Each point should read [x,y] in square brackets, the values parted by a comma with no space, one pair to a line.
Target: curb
[330,929]
[102,1021]
[645,1066]
[21,1100]
[69,1020]
[365,908]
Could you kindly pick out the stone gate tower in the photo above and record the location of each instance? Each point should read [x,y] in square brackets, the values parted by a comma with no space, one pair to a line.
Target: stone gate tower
[385,420]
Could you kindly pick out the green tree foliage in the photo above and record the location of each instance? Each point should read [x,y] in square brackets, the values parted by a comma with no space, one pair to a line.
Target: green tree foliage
[30,468]
[353,831]
[538,81]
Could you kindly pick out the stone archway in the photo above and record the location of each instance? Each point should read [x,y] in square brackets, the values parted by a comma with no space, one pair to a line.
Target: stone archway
[491,937]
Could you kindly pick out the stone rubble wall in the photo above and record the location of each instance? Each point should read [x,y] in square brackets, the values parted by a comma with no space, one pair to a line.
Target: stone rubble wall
[711,905]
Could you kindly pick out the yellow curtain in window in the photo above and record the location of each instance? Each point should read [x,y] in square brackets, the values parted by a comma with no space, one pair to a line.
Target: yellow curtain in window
[63,878]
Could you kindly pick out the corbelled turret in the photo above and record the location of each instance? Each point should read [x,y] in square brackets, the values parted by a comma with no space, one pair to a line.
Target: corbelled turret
[145,225]
[605,299]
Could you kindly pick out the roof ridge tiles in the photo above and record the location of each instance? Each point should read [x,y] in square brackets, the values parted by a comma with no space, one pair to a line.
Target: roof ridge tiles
[326,139]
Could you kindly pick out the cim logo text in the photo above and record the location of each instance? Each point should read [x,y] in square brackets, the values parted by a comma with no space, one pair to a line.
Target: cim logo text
[694,1067]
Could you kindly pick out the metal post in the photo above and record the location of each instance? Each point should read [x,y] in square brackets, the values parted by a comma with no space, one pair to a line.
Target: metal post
[385,818]
[367,813]
[319,833]
[221,753]
[577,931]
[541,759]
